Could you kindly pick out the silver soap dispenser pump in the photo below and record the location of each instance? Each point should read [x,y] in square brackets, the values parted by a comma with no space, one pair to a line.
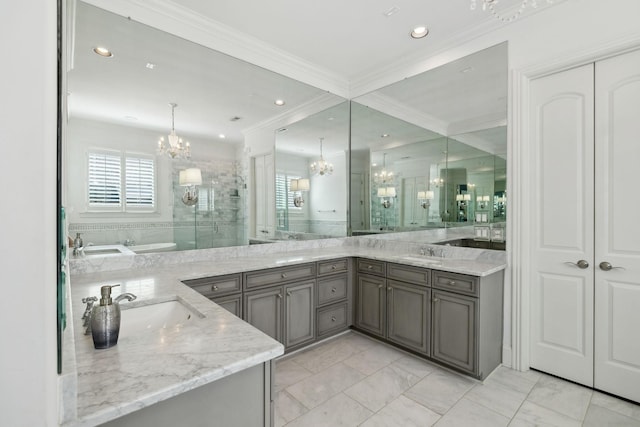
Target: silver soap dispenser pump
[105,320]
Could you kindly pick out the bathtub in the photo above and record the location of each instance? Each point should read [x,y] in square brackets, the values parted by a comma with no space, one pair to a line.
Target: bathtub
[153,247]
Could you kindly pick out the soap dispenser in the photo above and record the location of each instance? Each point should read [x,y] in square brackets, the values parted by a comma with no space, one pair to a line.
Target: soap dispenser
[105,320]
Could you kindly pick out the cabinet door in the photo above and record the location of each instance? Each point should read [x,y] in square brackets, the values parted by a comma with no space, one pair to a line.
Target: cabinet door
[371,294]
[263,309]
[299,309]
[231,303]
[454,330]
[408,315]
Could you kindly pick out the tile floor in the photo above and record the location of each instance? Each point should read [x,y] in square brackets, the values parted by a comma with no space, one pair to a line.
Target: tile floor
[353,380]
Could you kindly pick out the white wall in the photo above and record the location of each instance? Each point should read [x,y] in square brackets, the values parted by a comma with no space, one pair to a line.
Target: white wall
[330,192]
[28,394]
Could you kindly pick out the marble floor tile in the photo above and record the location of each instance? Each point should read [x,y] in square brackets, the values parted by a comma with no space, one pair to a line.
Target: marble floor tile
[440,390]
[418,367]
[469,413]
[617,405]
[320,387]
[377,390]
[373,359]
[323,356]
[597,416]
[530,415]
[509,378]
[358,341]
[561,396]
[339,411]
[288,373]
[403,412]
[287,408]
[497,398]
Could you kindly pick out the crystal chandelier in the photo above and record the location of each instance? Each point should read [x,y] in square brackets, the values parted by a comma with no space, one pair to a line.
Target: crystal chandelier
[321,167]
[384,176]
[491,5]
[176,147]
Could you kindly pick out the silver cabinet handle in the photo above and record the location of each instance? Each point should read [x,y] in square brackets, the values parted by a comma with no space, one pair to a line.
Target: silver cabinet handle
[452,283]
[369,267]
[214,288]
[379,286]
[583,263]
[333,318]
[606,266]
[435,300]
[288,293]
[333,290]
[284,275]
[390,289]
[333,267]
[279,296]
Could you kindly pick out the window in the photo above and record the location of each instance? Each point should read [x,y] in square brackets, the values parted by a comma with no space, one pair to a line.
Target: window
[284,197]
[110,173]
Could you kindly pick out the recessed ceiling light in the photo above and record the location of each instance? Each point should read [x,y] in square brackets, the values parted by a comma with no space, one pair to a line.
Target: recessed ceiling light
[234,118]
[282,130]
[391,11]
[374,164]
[150,65]
[466,70]
[222,136]
[331,118]
[419,32]
[103,51]
[384,135]
[131,118]
[279,102]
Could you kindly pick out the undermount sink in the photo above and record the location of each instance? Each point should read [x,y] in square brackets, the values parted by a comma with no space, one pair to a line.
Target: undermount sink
[170,315]
[105,250]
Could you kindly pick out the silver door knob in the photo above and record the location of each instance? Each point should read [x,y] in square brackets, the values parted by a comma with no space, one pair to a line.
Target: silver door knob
[214,288]
[606,266]
[583,263]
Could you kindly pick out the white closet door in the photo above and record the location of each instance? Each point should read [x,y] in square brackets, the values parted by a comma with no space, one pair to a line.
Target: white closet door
[617,240]
[561,307]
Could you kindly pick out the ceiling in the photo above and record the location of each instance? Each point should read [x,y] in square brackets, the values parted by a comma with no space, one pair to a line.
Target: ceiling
[347,40]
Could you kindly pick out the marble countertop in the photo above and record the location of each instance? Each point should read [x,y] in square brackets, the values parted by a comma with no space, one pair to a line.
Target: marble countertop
[143,370]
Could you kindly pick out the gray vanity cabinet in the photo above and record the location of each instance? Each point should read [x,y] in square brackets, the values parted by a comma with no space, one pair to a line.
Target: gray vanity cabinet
[467,321]
[408,315]
[263,310]
[299,314]
[225,290]
[371,301]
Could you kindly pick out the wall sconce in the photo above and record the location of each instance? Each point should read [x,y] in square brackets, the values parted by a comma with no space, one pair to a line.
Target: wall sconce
[386,193]
[463,198]
[190,179]
[425,197]
[298,186]
[482,200]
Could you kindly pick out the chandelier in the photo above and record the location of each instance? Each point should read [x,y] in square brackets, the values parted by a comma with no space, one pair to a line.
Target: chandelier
[491,5]
[321,167]
[384,176]
[176,147]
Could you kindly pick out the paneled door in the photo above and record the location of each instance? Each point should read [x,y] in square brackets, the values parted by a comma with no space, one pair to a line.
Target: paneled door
[561,288]
[617,239]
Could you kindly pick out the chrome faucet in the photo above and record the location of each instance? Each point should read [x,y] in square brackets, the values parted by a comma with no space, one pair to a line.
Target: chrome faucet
[126,295]
[129,242]
[86,316]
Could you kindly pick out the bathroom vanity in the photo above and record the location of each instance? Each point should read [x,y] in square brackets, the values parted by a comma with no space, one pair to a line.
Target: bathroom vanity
[288,299]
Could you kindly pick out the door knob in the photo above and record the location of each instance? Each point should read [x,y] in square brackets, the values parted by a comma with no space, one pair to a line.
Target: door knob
[580,264]
[606,266]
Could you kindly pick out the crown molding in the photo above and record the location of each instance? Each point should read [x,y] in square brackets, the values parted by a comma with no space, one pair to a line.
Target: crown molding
[172,18]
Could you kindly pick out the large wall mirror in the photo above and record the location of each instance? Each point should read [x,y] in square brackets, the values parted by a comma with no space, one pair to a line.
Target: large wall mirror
[118,189]
[430,151]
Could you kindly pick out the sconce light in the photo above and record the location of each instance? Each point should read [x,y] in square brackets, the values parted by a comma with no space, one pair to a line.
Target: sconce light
[482,200]
[463,198]
[190,179]
[386,193]
[298,186]
[425,198]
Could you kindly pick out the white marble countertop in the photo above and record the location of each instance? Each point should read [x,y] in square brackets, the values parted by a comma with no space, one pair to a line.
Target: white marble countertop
[145,370]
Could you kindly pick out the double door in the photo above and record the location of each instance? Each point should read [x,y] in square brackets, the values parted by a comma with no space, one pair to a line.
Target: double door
[585,254]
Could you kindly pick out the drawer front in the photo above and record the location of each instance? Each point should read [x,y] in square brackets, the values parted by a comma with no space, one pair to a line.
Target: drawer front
[333,266]
[370,266]
[212,287]
[280,275]
[460,283]
[332,289]
[231,303]
[332,319]
[406,273]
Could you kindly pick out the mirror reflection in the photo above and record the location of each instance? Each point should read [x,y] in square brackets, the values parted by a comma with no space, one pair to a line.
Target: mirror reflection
[156,152]
[311,176]
[430,151]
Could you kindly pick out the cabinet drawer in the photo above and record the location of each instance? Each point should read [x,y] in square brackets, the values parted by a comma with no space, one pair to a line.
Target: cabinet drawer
[276,276]
[332,289]
[406,273]
[212,287]
[332,319]
[332,266]
[231,303]
[370,266]
[460,283]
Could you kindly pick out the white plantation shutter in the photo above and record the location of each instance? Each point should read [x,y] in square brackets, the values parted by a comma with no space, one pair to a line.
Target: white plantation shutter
[140,182]
[104,180]
[284,196]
